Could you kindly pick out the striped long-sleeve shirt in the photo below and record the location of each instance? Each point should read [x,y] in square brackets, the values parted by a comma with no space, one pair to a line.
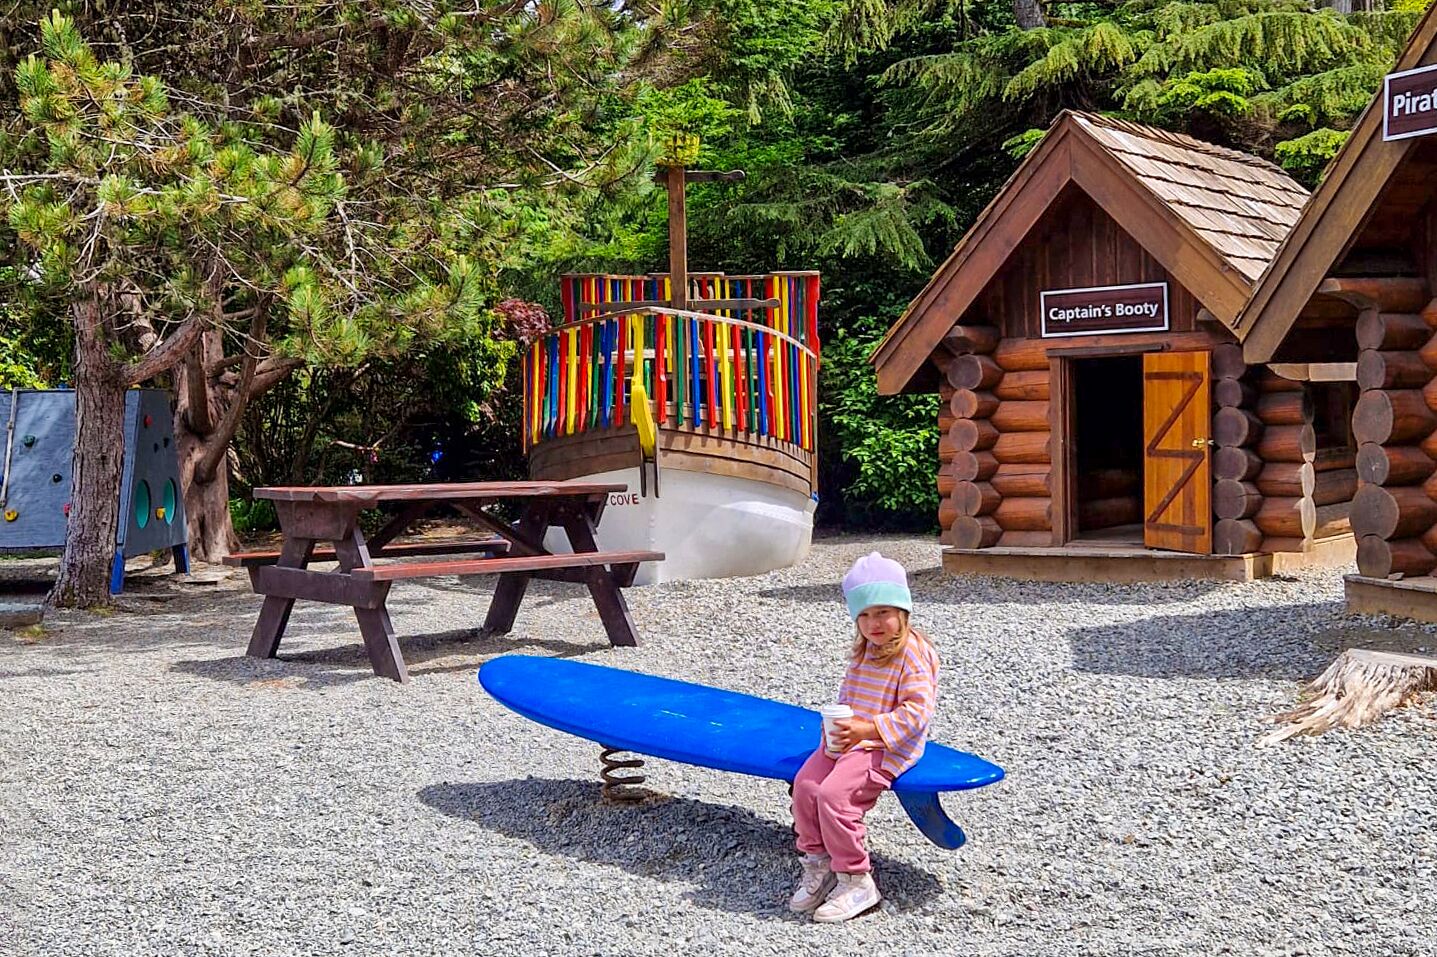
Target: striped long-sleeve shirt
[899,697]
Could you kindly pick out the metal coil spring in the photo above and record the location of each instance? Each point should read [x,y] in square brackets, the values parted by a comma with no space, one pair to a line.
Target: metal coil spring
[619,785]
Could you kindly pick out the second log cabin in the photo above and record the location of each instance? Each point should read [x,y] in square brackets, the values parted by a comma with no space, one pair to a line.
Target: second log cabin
[1354,283]
[1098,419]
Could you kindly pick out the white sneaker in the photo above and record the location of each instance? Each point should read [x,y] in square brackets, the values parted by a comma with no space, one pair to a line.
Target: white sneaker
[813,885]
[854,894]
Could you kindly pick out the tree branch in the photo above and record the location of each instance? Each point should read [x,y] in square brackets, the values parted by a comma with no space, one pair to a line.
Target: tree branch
[217,446]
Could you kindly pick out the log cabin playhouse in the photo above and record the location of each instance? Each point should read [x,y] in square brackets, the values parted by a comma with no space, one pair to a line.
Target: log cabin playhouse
[1354,284]
[1098,420]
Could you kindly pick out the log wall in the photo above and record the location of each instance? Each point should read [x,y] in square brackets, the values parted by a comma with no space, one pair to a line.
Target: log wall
[1395,508]
[1237,498]
[999,440]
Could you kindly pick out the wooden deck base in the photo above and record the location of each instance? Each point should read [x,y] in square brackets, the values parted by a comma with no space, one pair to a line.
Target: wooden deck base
[1111,562]
[1414,598]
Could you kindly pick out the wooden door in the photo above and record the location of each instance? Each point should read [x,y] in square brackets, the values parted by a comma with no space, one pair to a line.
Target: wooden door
[1177,480]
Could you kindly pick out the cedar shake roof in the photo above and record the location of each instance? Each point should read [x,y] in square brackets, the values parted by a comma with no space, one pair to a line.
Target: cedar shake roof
[1351,188]
[1212,217]
[1242,205]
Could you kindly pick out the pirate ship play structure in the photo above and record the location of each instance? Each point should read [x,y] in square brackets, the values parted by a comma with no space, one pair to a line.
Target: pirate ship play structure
[726,367]
[1098,418]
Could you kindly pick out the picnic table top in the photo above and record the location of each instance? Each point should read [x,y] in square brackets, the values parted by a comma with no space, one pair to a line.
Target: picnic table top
[366,495]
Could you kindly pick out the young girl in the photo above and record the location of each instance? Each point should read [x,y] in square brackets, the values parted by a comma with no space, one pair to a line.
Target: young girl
[891,685]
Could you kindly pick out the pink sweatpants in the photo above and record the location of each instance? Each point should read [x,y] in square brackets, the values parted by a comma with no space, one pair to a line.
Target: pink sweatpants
[830,798]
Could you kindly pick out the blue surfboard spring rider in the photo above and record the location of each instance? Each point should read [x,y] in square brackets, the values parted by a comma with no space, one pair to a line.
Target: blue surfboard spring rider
[709,727]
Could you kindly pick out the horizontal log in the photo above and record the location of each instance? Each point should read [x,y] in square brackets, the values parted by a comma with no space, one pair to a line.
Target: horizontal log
[1023,447]
[971,532]
[1428,353]
[1236,427]
[1398,417]
[1234,393]
[1109,512]
[1287,479]
[1288,443]
[1429,392]
[973,435]
[1025,514]
[947,512]
[975,498]
[1235,536]
[1021,417]
[1233,463]
[1270,381]
[945,449]
[1398,512]
[1391,330]
[1379,558]
[1335,458]
[1316,371]
[973,466]
[1227,361]
[945,538]
[1108,483]
[1023,481]
[1286,517]
[1391,370]
[1338,485]
[1023,386]
[1022,355]
[1285,408]
[1235,499]
[1025,539]
[1393,464]
[1333,520]
[970,404]
[1276,543]
[946,483]
[971,339]
[1388,293]
[973,372]
[945,419]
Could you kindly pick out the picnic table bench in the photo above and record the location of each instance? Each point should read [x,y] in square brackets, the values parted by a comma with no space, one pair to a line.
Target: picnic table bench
[310,515]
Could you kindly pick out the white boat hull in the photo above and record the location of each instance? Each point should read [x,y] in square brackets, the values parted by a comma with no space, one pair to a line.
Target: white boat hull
[707,525]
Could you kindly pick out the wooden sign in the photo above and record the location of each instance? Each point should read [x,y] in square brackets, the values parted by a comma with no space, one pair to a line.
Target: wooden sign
[1409,103]
[1104,309]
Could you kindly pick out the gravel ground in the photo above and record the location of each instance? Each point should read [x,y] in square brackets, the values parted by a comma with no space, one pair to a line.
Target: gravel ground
[160,793]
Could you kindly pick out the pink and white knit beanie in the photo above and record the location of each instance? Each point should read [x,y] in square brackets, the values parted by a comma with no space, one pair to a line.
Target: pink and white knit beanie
[875,580]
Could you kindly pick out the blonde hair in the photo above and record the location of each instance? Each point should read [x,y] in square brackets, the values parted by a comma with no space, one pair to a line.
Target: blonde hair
[889,650]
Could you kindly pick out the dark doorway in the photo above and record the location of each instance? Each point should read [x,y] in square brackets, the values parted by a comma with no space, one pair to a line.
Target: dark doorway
[1107,449]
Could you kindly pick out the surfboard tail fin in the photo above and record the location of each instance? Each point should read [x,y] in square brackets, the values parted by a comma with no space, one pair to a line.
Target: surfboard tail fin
[925,812]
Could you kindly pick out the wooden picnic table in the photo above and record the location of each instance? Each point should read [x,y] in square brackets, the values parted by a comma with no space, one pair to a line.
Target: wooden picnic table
[310,515]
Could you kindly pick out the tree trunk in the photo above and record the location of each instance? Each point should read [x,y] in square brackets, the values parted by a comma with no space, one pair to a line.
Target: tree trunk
[1029,14]
[199,406]
[94,520]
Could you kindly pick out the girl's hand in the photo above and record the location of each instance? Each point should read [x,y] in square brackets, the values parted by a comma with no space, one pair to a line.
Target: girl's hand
[850,731]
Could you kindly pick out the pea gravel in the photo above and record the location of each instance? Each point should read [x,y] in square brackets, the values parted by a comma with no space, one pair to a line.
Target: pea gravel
[162,794]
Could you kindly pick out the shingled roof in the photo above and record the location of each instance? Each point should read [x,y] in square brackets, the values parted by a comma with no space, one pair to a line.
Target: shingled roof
[1213,217]
[1242,205]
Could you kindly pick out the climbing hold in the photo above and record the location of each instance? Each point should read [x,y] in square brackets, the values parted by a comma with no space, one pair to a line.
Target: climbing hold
[11,515]
[167,441]
[28,441]
[148,420]
[160,513]
[66,509]
[157,446]
[57,478]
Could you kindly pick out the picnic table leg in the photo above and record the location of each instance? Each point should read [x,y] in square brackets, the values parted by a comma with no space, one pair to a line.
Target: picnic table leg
[509,593]
[579,525]
[274,614]
[380,642]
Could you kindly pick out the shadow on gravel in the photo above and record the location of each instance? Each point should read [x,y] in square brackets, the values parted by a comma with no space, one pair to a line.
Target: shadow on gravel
[1250,643]
[742,863]
[439,653]
[933,586]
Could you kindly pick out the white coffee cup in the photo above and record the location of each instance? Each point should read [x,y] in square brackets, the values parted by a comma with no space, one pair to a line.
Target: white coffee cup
[831,713]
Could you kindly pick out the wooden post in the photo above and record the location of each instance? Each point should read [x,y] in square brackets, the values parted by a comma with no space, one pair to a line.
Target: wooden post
[678,240]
